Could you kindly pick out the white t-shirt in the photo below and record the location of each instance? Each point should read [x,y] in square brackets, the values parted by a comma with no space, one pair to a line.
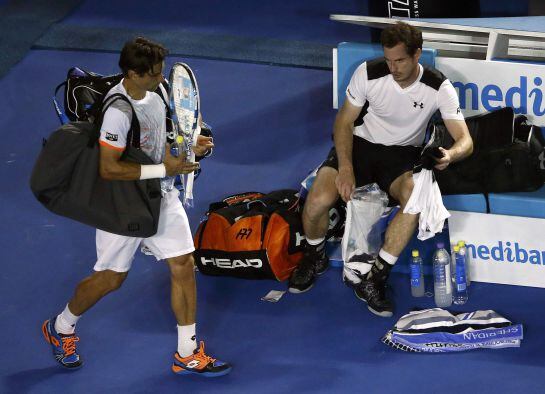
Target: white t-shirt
[151,114]
[392,115]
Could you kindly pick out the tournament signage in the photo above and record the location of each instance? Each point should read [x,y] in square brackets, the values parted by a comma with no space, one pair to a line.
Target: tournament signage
[502,249]
[487,85]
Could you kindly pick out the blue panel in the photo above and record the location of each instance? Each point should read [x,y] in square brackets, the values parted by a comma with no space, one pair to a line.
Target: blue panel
[465,202]
[519,204]
[350,55]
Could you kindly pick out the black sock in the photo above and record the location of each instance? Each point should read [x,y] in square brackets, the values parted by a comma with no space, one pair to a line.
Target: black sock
[380,270]
[317,251]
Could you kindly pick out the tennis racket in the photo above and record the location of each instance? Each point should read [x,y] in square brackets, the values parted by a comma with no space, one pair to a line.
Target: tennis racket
[185,110]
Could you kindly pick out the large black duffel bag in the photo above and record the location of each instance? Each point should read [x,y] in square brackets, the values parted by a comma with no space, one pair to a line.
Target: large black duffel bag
[66,180]
[505,158]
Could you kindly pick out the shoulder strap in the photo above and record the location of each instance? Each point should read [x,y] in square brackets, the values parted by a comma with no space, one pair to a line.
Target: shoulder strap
[163,93]
[133,137]
[60,113]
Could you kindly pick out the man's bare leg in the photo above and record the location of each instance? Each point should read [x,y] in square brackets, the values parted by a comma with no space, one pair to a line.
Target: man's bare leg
[403,225]
[87,293]
[60,331]
[183,296]
[398,234]
[91,289]
[184,305]
[322,196]
[183,300]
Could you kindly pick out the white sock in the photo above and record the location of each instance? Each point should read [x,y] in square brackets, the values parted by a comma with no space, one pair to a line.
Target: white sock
[187,341]
[66,322]
[390,259]
[315,242]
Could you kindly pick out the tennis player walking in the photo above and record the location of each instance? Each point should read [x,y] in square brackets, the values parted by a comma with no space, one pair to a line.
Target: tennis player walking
[142,63]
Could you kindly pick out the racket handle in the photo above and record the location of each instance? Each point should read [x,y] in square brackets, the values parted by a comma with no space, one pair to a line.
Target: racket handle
[188,190]
[196,134]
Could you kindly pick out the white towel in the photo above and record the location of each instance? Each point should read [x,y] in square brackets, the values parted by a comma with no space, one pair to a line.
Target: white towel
[427,201]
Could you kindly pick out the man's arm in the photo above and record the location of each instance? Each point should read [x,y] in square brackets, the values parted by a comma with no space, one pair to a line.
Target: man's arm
[111,167]
[463,144]
[343,137]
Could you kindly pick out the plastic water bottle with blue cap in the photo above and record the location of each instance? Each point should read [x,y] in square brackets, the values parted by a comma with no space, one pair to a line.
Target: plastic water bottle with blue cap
[442,283]
[463,252]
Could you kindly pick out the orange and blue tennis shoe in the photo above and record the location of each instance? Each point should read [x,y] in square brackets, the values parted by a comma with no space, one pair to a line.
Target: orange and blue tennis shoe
[64,346]
[199,363]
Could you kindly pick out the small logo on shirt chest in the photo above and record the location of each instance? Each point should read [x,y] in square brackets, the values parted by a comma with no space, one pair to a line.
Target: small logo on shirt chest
[417,104]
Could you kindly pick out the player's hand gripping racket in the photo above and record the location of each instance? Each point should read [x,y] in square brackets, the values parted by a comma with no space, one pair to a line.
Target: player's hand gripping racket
[185,110]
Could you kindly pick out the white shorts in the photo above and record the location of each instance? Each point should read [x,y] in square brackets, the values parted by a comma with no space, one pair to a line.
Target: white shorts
[173,238]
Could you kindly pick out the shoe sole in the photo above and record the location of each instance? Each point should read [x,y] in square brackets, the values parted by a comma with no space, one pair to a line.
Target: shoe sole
[181,371]
[381,314]
[47,338]
[293,290]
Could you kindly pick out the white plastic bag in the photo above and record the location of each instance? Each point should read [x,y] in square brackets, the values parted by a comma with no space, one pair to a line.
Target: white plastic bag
[363,230]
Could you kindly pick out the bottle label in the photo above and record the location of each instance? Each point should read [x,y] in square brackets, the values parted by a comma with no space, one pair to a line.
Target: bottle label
[449,280]
[460,272]
[415,275]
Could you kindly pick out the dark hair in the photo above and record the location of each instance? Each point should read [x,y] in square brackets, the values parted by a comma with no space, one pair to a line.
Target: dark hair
[140,55]
[404,33]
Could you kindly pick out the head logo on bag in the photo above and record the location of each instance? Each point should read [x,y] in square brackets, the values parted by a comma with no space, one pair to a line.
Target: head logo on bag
[231,264]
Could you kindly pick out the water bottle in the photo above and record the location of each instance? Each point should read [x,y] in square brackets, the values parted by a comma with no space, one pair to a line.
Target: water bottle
[442,283]
[463,252]
[453,264]
[460,286]
[417,275]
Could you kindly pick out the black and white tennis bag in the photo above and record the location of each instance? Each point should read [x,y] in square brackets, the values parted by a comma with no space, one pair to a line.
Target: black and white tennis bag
[508,155]
[84,92]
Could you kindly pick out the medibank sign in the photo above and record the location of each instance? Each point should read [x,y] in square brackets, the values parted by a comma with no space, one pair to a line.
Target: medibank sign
[488,85]
[506,252]
[502,249]
[524,99]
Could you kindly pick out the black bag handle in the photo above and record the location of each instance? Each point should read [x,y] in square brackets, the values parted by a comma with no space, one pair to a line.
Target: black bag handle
[74,72]
[254,202]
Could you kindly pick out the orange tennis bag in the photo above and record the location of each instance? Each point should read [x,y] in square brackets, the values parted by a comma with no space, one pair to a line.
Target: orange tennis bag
[251,236]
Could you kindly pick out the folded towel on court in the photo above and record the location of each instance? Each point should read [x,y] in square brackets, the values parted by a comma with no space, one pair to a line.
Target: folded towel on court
[439,331]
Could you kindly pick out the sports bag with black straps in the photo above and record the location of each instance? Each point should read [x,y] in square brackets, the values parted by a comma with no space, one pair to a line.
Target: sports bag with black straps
[506,155]
[66,180]
[251,236]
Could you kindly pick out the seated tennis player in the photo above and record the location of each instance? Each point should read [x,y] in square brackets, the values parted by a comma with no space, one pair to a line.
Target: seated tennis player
[378,135]
[142,63]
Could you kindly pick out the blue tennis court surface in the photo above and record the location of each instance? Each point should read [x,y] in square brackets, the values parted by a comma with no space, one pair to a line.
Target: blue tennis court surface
[271,126]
